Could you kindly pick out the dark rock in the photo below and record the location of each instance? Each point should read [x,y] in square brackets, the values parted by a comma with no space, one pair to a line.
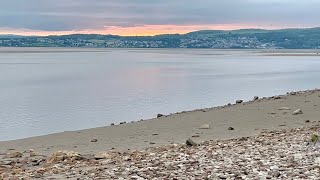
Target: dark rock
[277,97]
[239,101]
[152,143]
[94,140]
[256,98]
[112,124]
[189,142]
[293,93]
[307,121]
[99,157]
[123,122]
[159,115]
[155,134]
[231,128]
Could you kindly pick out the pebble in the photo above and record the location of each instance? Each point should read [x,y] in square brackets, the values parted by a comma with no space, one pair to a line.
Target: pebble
[14,154]
[230,128]
[281,154]
[205,126]
[94,140]
[190,142]
[284,109]
[297,112]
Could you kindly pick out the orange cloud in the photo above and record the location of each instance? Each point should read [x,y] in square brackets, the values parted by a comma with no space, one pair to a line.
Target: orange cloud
[143,30]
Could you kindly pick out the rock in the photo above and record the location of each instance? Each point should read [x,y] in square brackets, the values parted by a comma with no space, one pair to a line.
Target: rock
[189,142]
[14,154]
[239,101]
[123,122]
[112,124]
[155,134]
[6,162]
[61,156]
[297,112]
[284,109]
[94,140]
[34,154]
[256,98]
[293,93]
[205,126]
[159,115]
[99,157]
[152,143]
[231,128]
[195,136]
[307,121]
[277,97]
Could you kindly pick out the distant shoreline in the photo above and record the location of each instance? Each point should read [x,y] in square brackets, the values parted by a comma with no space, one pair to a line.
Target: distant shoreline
[262,52]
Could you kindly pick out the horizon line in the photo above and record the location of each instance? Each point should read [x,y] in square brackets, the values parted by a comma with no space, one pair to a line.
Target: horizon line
[152,35]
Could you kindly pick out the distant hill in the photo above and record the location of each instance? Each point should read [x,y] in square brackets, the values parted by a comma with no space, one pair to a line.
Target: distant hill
[243,39]
[10,36]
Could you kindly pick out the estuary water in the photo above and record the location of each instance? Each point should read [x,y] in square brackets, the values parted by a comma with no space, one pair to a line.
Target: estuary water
[46,91]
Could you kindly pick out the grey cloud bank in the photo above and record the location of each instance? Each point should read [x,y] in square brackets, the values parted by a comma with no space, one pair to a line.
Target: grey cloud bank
[64,15]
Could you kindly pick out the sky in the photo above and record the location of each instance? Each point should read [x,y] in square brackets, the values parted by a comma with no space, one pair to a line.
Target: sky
[151,17]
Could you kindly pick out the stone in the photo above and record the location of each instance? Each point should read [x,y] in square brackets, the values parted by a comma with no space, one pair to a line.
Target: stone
[112,124]
[99,157]
[205,126]
[94,140]
[195,136]
[159,115]
[255,98]
[155,134]
[239,101]
[123,122]
[190,142]
[14,154]
[297,112]
[152,143]
[230,128]
[284,109]
[6,162]
[307,121]
[34,154]
[61,156]
[277,97]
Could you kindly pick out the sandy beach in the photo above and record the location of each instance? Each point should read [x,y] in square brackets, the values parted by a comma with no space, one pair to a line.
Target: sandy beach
[266,138]
[247,119]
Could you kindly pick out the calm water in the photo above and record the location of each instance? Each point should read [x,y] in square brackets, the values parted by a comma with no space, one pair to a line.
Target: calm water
[42,93]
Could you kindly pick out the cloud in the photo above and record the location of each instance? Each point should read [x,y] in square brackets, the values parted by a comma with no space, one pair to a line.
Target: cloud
[79,15]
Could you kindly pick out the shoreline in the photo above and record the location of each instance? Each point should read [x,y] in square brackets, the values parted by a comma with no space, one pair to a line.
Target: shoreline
[226,122]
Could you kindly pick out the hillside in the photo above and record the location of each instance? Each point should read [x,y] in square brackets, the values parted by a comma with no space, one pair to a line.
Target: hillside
[242,39]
